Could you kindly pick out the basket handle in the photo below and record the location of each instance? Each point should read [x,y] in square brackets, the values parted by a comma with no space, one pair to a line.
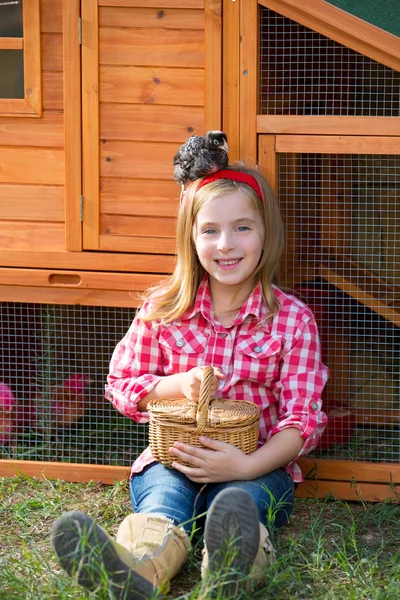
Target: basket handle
[204,399]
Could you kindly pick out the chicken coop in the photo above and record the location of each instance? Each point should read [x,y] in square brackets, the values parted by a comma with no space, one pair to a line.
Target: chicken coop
[95,98]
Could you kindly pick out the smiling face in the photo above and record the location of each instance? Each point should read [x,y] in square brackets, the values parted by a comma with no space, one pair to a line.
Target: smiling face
[229,237]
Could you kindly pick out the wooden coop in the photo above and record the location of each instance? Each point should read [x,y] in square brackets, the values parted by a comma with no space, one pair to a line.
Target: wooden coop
[95,98]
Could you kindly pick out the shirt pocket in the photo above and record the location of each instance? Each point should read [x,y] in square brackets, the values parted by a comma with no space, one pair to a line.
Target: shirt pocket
[182,348]
[257,358]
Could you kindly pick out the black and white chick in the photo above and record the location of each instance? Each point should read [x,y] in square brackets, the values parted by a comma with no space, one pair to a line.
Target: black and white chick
[200,156]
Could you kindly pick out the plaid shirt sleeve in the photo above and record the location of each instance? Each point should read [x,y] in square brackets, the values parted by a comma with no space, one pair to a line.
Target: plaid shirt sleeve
[302,379]
[135,369]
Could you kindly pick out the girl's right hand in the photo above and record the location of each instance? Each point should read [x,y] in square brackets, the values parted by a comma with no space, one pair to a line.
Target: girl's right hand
[191,381]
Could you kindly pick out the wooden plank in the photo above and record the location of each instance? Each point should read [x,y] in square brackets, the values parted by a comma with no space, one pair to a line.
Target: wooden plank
[213,64]
[72,126]
[145,226]
[152,85]
[168,47]
[32,55]
[31,165]
[21,235]
[230,72]
[150,122]
[90,124]
[347,470]
[53,90]
[69,296]
[125,197]
[76,279]
[154,3]
[342,27]
[329,144]
[249,75]
[144,160]
[10,107]
[63,471]
[45,132]
[52,52]
[11,43]
[343,490]
[121,243]
[32,202]
[150,18]
[51,16]
[268,160]
[95,261]
[318,125]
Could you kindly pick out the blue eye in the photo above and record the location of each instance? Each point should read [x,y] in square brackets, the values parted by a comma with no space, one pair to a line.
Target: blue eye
[243,228]
[210,231]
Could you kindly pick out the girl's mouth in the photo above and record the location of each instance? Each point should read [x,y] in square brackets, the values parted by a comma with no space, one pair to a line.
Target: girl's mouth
[228,264]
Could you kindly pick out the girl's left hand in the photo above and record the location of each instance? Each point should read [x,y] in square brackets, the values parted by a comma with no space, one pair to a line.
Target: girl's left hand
[216,462]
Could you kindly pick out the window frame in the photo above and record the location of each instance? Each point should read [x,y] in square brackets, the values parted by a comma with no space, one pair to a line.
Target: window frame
[31,104]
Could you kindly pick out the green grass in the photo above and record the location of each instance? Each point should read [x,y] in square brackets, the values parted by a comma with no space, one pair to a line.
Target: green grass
[330,549]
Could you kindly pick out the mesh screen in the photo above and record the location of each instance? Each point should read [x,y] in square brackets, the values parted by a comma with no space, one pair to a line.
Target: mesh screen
[342,246]
[305,73]
[55,359]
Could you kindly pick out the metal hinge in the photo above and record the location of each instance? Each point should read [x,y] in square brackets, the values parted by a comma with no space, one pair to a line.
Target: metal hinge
[81,208]
[80,31]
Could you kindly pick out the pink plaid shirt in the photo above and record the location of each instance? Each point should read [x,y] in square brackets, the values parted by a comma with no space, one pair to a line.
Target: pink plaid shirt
[276,364]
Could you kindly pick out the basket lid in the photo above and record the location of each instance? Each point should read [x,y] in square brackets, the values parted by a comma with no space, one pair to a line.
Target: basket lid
[221,413]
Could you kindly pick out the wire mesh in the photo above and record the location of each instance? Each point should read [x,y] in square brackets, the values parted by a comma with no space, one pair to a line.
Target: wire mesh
[342,242]
[54,361]
[305,73]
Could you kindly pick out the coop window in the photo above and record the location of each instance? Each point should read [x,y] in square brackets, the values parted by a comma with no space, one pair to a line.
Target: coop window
[20,77]
[342,229]
[46,352]
[305,73]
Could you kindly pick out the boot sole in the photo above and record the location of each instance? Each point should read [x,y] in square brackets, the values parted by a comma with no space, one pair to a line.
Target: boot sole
[232,535]
[85,550]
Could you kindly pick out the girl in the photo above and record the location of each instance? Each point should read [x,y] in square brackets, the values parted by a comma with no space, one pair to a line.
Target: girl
[221,307]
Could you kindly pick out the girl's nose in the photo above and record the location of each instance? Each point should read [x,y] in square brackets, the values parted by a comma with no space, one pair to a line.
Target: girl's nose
[225,242]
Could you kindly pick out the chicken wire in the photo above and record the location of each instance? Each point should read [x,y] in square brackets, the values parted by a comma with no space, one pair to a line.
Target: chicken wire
[305,73]
[54,360]
[342,222]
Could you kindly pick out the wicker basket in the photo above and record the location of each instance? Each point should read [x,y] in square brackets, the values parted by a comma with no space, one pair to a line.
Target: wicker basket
[172,420]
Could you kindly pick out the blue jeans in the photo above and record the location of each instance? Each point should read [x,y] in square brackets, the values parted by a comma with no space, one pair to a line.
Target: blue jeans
[165,491]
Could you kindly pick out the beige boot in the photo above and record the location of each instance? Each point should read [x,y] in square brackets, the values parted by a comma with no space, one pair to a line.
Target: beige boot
[158,548]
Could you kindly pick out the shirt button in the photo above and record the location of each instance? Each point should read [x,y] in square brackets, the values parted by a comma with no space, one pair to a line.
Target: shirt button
[314,406]
[223,334]
[180,343]
[257,349]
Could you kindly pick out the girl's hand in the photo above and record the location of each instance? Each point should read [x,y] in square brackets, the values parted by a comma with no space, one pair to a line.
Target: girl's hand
[218,461]
[192,379]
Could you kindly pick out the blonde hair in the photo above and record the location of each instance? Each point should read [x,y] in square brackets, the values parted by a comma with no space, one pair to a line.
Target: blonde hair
[171,298]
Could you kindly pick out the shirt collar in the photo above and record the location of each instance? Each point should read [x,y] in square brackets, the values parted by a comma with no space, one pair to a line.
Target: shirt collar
[254,304]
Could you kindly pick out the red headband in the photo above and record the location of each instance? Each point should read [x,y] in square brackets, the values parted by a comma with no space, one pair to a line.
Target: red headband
[234,176]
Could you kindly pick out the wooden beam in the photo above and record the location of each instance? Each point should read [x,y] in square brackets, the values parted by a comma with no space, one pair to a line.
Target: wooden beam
[213,64]
[230,71]
[330,144]
[319,125]
[248,81]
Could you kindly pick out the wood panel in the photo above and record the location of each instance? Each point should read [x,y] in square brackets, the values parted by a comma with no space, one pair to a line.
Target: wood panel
[348,490]
[11,43]
[150,122]
[152,85]
[53,90]
[63,471]
[249,75]
[125,197]
[46,132]
[51,16]
[124,243]
[154,3]
[144,160]
[31,203]
[326,144]
[52,52]
[167,48]
[69,296]
[213,64]
[230,67]
[32,56]
[346,470]
[94,261]
[170,18]
[31,165]
[22,235]
[311,125]
[146,226]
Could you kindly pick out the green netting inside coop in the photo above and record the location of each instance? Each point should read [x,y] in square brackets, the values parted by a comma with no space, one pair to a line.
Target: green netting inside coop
[54,361]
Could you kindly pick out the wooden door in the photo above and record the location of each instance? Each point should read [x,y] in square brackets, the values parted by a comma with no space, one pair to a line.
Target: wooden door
[145,76]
